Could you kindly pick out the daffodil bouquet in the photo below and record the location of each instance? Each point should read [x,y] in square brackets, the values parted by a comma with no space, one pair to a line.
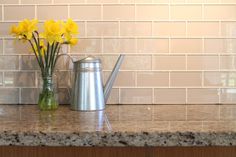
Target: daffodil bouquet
[46,47]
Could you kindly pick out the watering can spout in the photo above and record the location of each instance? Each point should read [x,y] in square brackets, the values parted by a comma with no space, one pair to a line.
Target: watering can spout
[112,77]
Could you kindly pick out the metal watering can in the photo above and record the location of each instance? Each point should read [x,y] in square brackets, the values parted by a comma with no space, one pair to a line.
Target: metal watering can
[88,92]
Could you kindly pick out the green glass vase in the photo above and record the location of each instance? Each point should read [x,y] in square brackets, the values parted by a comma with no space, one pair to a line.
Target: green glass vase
[48,95]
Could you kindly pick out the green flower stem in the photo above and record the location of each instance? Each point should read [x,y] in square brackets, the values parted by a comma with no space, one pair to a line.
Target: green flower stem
[36,55]
[39,51]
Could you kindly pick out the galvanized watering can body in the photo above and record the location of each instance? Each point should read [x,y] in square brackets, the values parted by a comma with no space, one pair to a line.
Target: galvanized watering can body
[88,91]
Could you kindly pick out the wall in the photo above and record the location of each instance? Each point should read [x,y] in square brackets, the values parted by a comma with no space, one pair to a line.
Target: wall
[177,51]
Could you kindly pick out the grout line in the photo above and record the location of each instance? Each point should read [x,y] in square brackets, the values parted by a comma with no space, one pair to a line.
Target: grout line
[68,11]
[35,11]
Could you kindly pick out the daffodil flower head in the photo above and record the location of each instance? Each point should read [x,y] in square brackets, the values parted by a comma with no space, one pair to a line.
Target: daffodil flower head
[73,41]
[53,31]
[71,27]
[25,29]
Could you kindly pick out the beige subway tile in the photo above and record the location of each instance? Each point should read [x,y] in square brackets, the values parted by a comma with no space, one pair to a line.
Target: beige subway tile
[63,79]
[170,112]
[219,126]
[87,46]
[124,78]
[169,96]
[19,79]
[185,126]
[81,29]
[108,61]
[151,79]
[203,29]
[102,29]
[152,12]
[18,12]
[195,1]
[56,12]
[228,1]
[128,1]
[13,46]
[29,95]
[142,1]
[29,63]
[183,79]
[177,1]
[5,60]
[36,2]
[227,62]
[139,112]
[152,45]
[181,12]
[118,12]
[203,112]
[154,1]
[0,13]
[137,63]
[69,1]
[135,28]
[169,29]
[221,79]
[9,1]
[114,97]
[169,62]
[229,46]
[220,12]
[9,95]
[153,126]
[5,28]
[203,96]
[213,1]
[227,112]
[228,29]
[102,1]
[136,96]
[186,46]
[83,12]
[213,45]
[228,96]
[119,45]
[220,45]
[203,63]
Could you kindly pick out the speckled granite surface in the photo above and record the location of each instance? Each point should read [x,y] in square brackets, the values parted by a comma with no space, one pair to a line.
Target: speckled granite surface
[120,125]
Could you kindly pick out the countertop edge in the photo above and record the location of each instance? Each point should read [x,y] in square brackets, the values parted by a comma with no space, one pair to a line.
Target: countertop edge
[120,139]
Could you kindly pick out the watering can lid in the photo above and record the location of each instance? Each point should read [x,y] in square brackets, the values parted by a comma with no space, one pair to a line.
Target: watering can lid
[90,59]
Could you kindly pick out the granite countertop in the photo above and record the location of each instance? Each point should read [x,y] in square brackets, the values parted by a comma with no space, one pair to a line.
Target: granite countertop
[119,125]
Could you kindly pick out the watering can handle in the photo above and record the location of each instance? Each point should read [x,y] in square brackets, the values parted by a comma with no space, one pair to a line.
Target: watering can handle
[70,77]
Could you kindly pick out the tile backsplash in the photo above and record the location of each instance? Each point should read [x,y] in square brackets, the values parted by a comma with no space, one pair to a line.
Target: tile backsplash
[177,51]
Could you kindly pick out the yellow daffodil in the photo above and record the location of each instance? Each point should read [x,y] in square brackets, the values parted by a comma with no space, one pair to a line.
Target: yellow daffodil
[25,29]
[53,31]
[73,41]
[71,30]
